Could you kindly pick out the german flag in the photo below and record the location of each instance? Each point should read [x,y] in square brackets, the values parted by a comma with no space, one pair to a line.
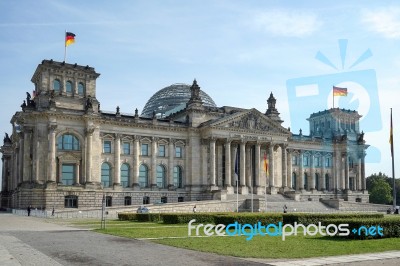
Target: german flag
[339,91]
[69,38]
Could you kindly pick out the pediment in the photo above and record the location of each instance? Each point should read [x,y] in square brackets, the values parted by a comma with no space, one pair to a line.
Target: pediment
[70,156]
[252,120]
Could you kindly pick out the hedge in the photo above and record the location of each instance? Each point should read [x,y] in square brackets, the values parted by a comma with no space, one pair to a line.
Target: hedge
[391,227]
[184,218]
[248,218]
[314,218]
[140,217]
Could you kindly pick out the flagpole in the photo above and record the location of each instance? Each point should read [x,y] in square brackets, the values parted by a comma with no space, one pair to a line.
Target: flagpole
[392,151]
[65,47]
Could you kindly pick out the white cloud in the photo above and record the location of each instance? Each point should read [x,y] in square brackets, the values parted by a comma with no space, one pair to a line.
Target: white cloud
[287,23]
[385,21]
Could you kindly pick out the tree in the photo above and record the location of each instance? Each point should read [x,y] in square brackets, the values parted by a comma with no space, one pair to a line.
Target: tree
[381,192]
[371,184]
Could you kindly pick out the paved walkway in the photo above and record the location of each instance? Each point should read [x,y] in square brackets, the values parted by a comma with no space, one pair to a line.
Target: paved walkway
[34,241]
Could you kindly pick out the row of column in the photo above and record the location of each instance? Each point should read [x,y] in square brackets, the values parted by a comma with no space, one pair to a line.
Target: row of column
[245,164]
[340,172]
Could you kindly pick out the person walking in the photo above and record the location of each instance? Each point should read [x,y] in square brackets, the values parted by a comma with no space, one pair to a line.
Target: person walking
[29,210]
[194,209]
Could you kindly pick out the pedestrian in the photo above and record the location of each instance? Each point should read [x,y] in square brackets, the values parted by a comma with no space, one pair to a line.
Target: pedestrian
[284,208]
[29,210]
[52,212]
[194,209]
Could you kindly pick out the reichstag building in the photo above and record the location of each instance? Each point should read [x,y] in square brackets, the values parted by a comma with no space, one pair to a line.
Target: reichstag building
[64,151]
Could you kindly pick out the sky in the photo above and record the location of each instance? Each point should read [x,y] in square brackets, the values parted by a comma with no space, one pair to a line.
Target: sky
[238,51]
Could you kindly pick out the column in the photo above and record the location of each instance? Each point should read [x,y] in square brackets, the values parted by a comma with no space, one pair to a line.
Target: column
[212,162]
[117,160]
[284,166]
[52,154]
[258,164]
[335,172]
[77,175]
[136,153]
[171,164]
[59,172]
[242,163]
[323,181]
[234,150]
[289,169]
[153,171]
[359,180]
[346,172]
[363,180]
[4,185]
[21,163]
[89,139]
[311,179]
[300,177]
[228,163]
[271,166]
[26,174]
[249,180]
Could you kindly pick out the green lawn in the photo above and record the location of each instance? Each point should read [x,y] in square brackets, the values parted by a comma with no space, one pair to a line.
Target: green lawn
[259,247]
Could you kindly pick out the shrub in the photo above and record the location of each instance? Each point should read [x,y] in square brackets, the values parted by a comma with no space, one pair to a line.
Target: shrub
[140,217]
[181,218]
[391,227]
[314,218]
[248,218]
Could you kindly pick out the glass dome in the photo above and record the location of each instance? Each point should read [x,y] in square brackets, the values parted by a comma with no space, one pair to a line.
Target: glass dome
[172,99]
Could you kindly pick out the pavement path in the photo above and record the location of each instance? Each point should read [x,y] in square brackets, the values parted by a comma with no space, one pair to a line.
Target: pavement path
[36,241]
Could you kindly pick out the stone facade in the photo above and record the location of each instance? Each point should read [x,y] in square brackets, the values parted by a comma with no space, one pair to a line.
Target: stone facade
[66,152]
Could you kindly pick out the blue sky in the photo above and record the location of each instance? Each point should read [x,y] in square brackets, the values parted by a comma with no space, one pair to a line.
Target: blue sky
[239,51]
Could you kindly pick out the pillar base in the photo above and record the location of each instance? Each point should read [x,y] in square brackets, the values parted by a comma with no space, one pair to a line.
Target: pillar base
[51,184]
[117,187]
[272,190]
[284,189]
[230,190]
[243,190]
[171,187]
[92,185]
[260,190]
[214,188]
[154,187]
[136,186]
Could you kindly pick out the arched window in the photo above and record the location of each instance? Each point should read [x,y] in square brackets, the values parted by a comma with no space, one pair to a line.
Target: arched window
[294,180]
[56,85]
[124,175]
[327,182]
[316,181]
[178,177]
[305,181]
[105,175]
[68,142]
[69,87]
[161,176]
[81,88]
[143,176]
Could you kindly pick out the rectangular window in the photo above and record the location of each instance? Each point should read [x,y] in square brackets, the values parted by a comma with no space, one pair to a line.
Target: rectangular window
[294,160]
[161,150]
[317,161]
[327,162]
[305,161]
[178,152]
[126,148]
[107,146]
[128,201]
[68,174]
[71,201]
[145,149]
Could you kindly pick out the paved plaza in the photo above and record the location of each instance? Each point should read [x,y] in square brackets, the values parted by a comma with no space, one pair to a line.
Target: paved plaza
[37,241]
